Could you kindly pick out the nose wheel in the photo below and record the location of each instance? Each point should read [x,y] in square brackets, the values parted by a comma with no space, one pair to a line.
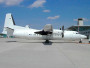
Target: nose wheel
[80,41]
[89,41]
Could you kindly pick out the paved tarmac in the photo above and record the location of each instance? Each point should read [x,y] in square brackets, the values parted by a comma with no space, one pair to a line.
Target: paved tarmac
[20,53]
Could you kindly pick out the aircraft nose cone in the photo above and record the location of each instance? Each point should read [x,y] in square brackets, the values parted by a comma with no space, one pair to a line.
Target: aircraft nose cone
[83,36]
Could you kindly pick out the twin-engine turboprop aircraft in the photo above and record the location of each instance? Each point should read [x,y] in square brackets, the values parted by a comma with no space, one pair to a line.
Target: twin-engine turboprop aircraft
[47,33]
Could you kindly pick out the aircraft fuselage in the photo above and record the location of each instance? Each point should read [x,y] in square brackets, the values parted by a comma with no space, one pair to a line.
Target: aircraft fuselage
[56,35]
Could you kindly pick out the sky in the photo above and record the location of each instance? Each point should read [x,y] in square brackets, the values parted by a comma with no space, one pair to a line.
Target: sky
[38,13]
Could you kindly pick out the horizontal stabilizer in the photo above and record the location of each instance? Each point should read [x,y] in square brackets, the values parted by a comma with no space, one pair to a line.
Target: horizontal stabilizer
[9,31]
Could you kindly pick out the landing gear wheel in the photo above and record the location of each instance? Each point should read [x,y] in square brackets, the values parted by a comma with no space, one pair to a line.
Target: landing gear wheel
[80,41]
[47,41]
[89,41]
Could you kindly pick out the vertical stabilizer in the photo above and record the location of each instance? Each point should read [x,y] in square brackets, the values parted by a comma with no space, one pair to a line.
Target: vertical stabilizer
[9,22]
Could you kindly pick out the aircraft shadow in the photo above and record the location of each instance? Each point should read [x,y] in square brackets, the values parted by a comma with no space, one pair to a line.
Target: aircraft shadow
[47,43]
[43,42]
[10,41]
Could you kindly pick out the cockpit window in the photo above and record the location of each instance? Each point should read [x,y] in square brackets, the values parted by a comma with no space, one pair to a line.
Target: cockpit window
[77,33]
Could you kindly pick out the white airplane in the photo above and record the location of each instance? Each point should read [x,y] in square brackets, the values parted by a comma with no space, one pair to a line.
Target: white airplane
[47,33]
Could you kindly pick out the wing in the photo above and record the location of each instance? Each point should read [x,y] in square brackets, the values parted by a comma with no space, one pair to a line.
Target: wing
[48,29]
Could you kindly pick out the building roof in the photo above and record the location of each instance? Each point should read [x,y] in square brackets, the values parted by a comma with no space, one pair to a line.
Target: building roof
[81,28]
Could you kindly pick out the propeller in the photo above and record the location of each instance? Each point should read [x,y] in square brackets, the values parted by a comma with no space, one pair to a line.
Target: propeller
[60,28]
[62,31]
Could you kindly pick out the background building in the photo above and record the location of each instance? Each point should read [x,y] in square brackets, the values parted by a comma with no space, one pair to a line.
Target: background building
[81,28]
[3,35]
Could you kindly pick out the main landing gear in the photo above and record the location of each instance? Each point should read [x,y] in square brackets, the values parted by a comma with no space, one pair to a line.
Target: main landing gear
[47,41]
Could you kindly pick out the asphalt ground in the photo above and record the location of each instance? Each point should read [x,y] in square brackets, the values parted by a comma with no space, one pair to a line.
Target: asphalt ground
[21,53]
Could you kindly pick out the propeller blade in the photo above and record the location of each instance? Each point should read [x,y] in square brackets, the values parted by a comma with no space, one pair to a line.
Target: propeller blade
[60,28]
[63,28]
[62,31]
[62,34]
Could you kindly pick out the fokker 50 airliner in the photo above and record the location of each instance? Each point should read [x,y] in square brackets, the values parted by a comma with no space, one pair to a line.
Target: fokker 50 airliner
[47,33]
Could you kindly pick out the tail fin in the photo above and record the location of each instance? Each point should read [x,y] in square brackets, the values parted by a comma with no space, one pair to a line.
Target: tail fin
[9,22]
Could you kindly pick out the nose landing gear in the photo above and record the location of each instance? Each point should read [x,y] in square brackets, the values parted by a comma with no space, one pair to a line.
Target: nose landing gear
[89,39]
[80,41]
